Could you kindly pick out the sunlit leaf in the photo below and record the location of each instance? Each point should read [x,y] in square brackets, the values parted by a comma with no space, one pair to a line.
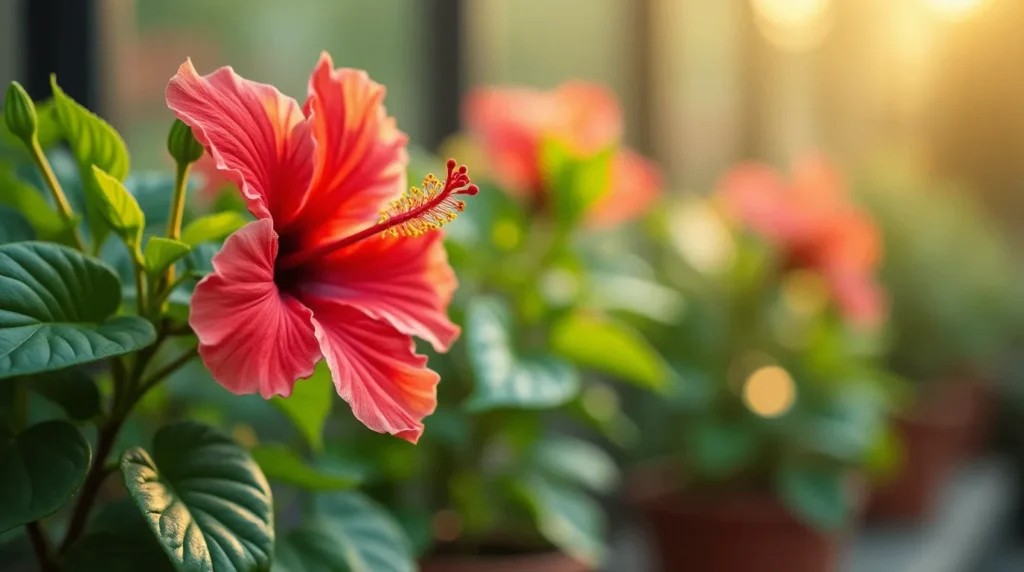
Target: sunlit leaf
[118,207]
[212,228]
[204,498]
[162,252]
[575,182]
[93,142]
[610,346]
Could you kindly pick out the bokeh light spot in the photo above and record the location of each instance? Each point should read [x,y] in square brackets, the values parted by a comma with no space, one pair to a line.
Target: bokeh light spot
[769,392]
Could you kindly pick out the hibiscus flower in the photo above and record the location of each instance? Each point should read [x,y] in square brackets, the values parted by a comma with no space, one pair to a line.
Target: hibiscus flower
[340,264]
[510,124]
[812,220]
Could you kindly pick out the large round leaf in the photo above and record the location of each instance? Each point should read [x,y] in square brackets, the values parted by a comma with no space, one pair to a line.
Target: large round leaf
[204,498]
[504,380]
[55,308]
[40,469]
[348,533]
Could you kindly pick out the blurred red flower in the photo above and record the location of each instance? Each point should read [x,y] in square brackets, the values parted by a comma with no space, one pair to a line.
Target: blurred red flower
[510,125]
[812,220]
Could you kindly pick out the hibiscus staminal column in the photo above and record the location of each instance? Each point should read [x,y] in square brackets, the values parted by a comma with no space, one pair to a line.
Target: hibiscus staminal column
[416,212]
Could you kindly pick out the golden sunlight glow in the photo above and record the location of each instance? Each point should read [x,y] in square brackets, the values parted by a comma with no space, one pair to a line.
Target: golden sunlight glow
[955,9]
[701,236]
[769,391]
[793,24]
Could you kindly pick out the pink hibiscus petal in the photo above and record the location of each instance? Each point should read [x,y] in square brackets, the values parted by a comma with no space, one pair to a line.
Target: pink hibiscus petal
[252,337]
[361,160]
[375,369]
[635,185]
[258,137]
[405,282]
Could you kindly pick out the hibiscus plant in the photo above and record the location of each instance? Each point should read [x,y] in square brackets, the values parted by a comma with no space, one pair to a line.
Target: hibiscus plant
[514,458]
[111,284]
[781,391]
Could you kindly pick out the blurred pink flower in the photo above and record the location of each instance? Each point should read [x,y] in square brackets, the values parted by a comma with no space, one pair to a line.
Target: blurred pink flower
[511,123]
[811,218]
[313,276]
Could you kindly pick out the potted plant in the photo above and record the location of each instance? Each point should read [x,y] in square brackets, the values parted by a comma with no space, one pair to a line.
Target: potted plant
[120,315]
[760,460]
[946,271]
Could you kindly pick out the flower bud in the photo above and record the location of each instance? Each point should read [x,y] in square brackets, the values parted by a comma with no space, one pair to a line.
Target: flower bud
[182,145]
[20,113]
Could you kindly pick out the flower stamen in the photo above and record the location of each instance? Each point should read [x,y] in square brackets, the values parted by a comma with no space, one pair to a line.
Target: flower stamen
[414,213]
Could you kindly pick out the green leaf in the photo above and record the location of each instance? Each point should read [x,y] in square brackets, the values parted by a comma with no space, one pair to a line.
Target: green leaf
[279,463]
[578,462]
[117,540]
[93,143]
[55,310]
[575,182]
[71,389]
[162,252]
[817,495]
[212,228]
[348,532]
[309,405]
[503,380]
[567,517]
[719,448]
[24,198]
[42,468]
[14,227]
[204,499]
[119,208]
[611,347]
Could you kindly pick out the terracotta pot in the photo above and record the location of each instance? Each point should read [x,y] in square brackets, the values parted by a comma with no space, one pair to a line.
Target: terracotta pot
[732,532]
[932,439]
[544,562]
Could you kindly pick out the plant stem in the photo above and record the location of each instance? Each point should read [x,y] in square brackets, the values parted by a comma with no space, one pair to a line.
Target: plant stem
[93,481]
[40,546]
[140,293]
[58,193]
[177,210]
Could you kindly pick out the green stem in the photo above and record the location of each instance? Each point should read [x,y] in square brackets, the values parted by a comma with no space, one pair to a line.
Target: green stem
[177,210]
[58,193]
[140,289]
